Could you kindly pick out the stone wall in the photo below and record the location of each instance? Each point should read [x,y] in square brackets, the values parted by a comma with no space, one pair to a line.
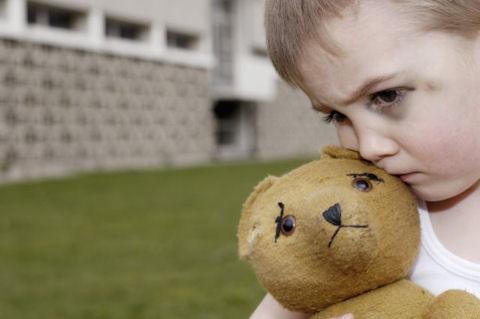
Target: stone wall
[288,126]
[65,110]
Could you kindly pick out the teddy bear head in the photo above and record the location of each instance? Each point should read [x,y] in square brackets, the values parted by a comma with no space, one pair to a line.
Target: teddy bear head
[329,230]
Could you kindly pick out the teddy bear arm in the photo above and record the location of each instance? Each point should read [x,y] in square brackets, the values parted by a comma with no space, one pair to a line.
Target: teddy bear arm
[392,301]
[454,304]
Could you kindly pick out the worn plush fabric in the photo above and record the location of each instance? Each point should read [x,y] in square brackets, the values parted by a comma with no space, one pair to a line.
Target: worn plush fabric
[335,236]
[388,302]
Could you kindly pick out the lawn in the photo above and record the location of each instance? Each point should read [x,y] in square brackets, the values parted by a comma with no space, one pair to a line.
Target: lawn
[143,244]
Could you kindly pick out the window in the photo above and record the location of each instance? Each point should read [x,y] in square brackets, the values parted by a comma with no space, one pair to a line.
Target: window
[3,9]
[223,23]
[227,116]
[182,40]
[235,132]
[126,30]
[55,17]
[259,45]
[261,52]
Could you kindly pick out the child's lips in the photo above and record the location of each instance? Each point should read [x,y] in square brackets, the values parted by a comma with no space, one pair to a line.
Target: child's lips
[409,177]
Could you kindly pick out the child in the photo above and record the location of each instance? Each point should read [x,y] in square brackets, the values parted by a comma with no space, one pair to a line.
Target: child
[400,79]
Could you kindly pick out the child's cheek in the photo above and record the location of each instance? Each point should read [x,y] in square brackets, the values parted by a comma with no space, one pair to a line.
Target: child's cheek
[449,164]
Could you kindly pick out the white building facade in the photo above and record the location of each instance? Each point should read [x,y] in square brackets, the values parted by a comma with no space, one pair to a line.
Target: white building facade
[107,84]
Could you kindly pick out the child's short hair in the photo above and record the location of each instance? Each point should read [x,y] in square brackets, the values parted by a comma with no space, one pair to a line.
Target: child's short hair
[290,23]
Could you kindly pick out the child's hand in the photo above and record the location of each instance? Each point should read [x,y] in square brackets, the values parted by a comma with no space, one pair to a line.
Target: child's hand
[270,308]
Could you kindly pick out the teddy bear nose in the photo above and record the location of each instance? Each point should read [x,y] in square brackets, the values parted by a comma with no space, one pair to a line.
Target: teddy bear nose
[333,215]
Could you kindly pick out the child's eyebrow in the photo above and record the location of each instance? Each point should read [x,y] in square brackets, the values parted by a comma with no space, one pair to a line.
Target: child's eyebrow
[367,86]
[362,90]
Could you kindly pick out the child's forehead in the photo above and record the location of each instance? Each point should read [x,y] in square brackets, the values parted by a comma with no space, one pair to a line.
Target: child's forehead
[370,23]
[385,48]
[342,84]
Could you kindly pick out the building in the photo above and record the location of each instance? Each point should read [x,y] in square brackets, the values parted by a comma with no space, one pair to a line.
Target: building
[107,84]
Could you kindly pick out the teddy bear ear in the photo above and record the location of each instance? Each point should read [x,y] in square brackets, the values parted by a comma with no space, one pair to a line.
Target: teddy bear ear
[246,228]
[333,151]
[261,187]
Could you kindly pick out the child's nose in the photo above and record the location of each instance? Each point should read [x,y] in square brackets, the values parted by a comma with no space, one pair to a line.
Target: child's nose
[374,146]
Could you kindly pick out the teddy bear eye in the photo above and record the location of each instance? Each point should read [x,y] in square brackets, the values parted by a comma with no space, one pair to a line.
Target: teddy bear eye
[362,184]
[288,225]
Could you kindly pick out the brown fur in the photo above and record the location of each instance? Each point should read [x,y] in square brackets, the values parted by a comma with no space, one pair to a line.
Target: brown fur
[361,269]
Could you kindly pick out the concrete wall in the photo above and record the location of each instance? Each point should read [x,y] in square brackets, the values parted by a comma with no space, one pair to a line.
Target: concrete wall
[157,16]
[76,101]
[288,127]
[64,110]
[253,75]
[187,14]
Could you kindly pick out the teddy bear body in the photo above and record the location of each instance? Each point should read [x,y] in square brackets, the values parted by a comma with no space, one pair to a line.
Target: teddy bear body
[406,300]
[337,236]
[390,301]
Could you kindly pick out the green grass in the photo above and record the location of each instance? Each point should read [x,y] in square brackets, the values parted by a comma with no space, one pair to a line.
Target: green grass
[146,244]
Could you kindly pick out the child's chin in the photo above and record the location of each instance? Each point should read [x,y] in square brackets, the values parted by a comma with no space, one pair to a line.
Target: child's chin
[425,194]
[434,193]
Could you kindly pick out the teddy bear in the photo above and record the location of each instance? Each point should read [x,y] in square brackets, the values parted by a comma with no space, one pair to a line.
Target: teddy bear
[340,235]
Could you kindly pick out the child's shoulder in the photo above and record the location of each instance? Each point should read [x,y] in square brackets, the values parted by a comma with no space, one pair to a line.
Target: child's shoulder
[437,268]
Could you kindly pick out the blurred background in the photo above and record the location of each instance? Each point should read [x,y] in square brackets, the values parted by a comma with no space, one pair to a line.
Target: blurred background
[131,131]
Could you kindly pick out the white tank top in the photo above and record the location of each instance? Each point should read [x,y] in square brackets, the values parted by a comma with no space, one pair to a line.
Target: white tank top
[437,269]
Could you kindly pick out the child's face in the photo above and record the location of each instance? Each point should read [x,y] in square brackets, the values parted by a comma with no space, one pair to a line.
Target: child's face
[422,118]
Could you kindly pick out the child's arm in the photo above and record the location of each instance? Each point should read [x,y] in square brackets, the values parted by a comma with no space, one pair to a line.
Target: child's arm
[270,308]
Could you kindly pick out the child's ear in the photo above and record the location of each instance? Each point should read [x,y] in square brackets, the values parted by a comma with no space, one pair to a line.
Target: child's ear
[247,227]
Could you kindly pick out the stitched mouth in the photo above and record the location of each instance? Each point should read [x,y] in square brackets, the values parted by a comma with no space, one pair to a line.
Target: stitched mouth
[333,215]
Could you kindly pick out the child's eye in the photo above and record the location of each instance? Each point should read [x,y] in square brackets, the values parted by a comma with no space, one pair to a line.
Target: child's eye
[387,98]
[334,117]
